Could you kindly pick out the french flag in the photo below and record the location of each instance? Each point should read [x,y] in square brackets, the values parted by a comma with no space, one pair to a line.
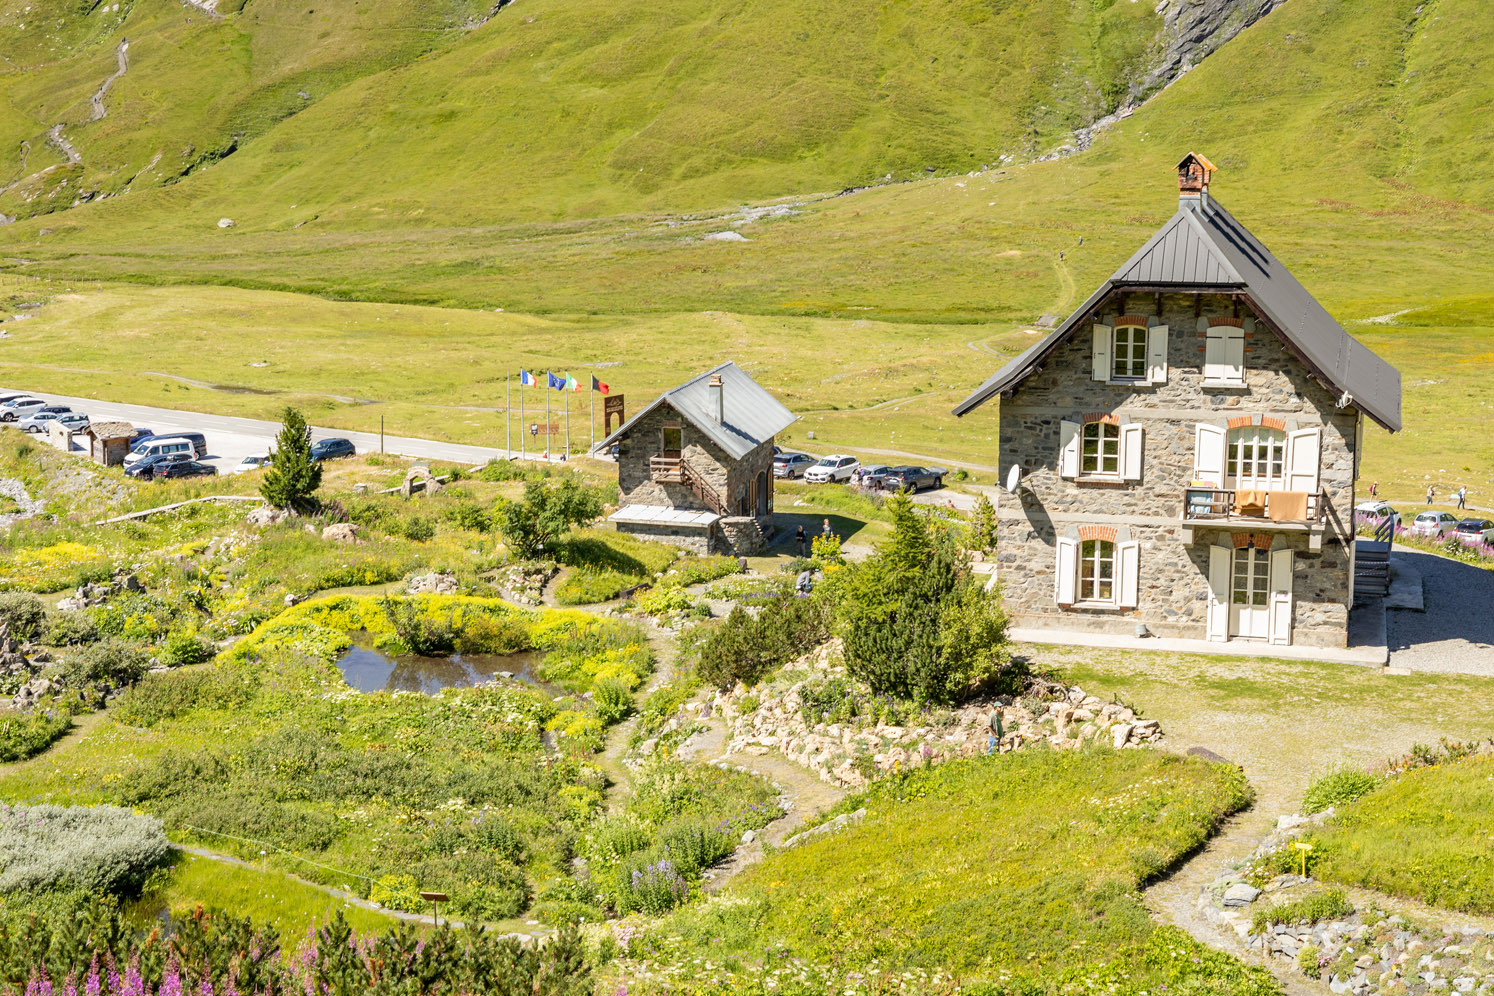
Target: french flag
[527,379]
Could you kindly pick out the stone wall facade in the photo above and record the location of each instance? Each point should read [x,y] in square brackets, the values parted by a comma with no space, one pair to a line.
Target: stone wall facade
[745,486]
[1174,574]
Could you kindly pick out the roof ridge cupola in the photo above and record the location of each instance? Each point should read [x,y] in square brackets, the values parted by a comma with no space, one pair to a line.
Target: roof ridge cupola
[1193,181]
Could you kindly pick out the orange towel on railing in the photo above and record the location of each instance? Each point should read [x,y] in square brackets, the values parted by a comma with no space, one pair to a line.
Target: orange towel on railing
[1288,506]
[1252,503]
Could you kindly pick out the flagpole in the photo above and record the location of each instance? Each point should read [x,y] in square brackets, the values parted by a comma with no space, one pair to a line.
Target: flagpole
[508,417]
[549,386]
[521,415]
[592,418]
[568,420]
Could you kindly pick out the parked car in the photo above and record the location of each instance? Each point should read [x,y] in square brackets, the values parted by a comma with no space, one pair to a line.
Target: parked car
[1433,524]
[328,449]
[38,419]
[1479,529]
[1379,511]
[184,468]
[139,436]
[251,463]
[149,467]
[157,445]
[11,397]
[836,467]
[791,465]
[18,408]
[872,476]
[913,478]
[76,421]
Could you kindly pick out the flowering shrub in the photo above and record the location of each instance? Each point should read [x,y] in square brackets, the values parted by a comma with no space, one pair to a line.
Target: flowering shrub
[664,599]
[651,888]
[212,952]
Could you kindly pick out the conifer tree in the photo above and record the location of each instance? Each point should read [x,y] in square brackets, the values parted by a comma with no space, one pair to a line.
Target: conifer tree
[292,477]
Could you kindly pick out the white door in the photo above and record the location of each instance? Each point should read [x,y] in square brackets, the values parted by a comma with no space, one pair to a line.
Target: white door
[1257,458]
[1250,594]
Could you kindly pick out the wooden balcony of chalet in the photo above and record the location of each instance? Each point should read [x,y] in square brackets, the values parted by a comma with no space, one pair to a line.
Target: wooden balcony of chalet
[667,468]
[1258,510]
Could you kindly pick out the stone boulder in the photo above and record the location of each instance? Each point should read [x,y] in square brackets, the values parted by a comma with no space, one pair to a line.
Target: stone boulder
[433,583]
[264,515]
[341,532]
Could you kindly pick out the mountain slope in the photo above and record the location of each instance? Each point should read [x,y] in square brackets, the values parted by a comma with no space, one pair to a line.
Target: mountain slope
[568,108]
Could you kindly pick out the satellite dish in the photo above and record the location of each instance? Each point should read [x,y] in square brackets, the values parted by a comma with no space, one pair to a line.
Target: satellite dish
[1014,477]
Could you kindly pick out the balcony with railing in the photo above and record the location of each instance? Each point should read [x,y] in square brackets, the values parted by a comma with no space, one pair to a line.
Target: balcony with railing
[1255,509]
[673,468]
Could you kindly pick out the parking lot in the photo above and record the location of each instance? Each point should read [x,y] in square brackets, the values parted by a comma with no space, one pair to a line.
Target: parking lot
[230,439]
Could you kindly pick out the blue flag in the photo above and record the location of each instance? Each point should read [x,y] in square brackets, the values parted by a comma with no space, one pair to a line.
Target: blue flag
[556,383]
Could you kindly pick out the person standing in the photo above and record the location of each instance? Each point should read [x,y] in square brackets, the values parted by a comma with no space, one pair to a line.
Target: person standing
[801,539]
[825,530]
[994,732]
[1463,497]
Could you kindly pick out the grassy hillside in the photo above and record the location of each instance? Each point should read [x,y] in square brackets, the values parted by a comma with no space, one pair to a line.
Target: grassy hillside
[555,108]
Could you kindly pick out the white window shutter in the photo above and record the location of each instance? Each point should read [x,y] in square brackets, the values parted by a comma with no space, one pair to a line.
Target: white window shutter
[1131,446]
[1214,353]
[1156,354]
[1066,571]
[1068,449]
[1302,449]
[1128,569]
[1219,564]
[1208,454]
[1104,341]
[1281,597]
[1233,345]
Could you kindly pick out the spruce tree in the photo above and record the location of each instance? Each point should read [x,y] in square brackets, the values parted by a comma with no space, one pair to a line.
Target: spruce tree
[983,525]
[292,477]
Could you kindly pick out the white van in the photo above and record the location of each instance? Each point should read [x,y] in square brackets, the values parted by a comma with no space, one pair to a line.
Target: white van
[160,444]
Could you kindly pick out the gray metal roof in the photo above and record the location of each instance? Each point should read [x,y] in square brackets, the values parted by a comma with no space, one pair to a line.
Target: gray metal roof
[752,415]
[1203,246]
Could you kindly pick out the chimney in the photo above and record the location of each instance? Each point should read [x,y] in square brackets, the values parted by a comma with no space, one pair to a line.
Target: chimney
[1193,181]
[717,399]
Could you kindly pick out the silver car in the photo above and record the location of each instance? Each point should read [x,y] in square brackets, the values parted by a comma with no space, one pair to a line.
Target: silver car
[19,408]
[791,465]
[1433,524]
[38,419]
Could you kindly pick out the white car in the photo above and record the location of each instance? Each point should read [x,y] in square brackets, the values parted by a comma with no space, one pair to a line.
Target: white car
[1379,511]
[250,463]
[836,467]
[1433,524]
[19,408]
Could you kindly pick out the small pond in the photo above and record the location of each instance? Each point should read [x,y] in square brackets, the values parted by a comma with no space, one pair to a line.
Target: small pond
[371,670]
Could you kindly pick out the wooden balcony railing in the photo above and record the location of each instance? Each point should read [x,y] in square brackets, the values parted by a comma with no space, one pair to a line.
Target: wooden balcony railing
[673,468]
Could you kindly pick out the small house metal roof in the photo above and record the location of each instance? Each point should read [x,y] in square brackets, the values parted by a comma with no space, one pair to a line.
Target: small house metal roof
[752,416]
[663,515]
[1204,247]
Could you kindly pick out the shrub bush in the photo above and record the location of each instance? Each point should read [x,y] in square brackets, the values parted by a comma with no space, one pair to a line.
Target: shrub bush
[545,514]
[24,614]
[1312,908]
[663,600]
[182,648]
[70,629]
[96,848]
[1337,788]
[745,648]
[419,529]
[613,701]
[26,734]
[106,665]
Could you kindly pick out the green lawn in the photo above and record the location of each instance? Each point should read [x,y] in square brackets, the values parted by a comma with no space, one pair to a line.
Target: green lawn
[1023,865]
[1424,834]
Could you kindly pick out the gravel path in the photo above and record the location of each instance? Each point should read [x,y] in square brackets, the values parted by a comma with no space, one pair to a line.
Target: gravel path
[1456,632]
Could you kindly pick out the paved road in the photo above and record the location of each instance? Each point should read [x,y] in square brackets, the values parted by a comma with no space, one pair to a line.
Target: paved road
[230,439]
[1456,632]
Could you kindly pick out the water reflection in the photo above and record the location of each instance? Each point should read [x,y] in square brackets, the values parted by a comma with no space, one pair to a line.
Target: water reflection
[370,670]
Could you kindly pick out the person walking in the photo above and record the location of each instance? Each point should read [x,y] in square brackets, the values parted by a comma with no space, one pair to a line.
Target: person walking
[994,732]
[1374,489]
[1431,490]
[801,539]
[1463,497]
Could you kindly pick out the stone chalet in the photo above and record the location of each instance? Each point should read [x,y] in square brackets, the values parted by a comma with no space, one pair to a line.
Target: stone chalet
[1180,454]
[695,467]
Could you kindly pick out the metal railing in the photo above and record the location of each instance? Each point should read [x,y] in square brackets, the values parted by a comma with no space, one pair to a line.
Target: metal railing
[1205,504]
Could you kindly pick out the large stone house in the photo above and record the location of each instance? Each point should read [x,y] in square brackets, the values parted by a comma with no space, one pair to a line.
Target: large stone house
[1179,455]
[695,468]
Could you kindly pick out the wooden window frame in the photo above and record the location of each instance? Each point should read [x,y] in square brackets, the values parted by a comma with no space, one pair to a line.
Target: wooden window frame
[1136,358]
